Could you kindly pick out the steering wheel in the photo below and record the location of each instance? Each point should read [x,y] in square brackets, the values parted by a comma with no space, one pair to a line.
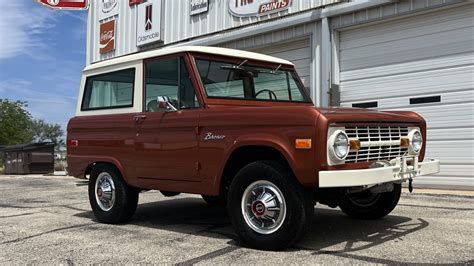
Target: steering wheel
[270,93]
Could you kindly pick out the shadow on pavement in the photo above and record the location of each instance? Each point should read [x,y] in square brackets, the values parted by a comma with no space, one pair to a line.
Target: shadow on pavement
[329,227]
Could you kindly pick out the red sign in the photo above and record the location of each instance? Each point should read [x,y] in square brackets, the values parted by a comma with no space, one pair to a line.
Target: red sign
[65,4]
[134,2]
[107,37]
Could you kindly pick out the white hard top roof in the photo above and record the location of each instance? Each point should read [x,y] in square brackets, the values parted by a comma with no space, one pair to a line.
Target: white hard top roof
[180,49]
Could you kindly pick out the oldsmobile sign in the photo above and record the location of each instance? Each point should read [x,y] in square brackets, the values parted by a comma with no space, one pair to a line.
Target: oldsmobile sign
[248,8]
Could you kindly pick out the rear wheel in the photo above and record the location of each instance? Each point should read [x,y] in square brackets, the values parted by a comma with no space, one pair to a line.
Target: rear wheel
[111,199]
[267,207]
[368,205]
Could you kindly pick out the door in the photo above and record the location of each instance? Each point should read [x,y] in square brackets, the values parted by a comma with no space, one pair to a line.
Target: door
[166,143]
[424,63]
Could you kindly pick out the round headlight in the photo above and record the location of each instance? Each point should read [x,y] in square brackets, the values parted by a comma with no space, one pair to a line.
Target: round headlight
[416,141]
[341,145]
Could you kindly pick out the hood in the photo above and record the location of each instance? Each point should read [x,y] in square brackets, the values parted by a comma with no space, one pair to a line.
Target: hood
[350,115]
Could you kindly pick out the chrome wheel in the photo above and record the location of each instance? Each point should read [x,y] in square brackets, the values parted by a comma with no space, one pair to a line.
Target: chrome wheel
[263,207]
[105,191]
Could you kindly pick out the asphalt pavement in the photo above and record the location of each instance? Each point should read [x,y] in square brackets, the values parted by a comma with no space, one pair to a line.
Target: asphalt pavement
[47,220]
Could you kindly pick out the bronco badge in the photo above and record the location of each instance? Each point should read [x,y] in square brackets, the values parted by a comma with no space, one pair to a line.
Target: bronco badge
[210,136]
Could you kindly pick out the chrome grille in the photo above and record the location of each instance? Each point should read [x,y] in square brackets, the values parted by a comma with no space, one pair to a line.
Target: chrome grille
[378,143]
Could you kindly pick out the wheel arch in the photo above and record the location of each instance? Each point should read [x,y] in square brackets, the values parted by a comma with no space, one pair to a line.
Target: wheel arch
[247,153]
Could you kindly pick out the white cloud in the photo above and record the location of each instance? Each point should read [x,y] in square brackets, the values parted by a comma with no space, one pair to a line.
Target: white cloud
[23,26]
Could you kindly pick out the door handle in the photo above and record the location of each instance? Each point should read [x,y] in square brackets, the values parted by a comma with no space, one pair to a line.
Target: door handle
[139,117]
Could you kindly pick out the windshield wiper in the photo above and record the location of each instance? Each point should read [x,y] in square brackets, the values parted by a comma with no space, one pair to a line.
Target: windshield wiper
[236,67]
[276,69]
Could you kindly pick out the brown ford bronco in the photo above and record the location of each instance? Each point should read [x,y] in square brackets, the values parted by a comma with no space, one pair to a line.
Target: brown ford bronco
[239,129]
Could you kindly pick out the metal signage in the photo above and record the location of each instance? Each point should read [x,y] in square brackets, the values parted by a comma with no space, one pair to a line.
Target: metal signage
[65,4]
[198,6]
[248,8]
[108,8]
[107,37]
[134,2]
[149,22]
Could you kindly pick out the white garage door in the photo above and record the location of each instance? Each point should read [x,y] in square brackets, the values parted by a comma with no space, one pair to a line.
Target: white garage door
[423,63]
[298,52]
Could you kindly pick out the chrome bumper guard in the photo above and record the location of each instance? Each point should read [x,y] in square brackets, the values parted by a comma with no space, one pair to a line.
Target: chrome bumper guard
[397,170]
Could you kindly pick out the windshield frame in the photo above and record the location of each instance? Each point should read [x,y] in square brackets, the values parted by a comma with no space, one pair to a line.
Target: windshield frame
[253,63]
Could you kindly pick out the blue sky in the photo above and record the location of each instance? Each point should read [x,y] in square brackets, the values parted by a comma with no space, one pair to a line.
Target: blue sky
[42,54]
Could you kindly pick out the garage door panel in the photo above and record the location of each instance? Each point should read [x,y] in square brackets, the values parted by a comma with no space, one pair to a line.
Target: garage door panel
[372,56]
[441,62]
[457,170]
[446,116]
[419,83]
[464,133]
[396,33]
[451,152]
[410,26]
[403,101]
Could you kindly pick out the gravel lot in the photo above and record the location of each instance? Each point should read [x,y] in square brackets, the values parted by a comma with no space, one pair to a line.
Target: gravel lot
[46,220]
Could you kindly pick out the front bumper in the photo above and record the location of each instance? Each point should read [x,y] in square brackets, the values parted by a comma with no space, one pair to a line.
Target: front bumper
[397,170]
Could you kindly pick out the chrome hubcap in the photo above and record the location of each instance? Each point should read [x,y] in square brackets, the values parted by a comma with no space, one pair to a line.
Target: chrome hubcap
[263,207]
[105,191]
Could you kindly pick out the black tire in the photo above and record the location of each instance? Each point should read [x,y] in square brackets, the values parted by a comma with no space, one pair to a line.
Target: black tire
[367,205]
[126,198]
[169,193]
[299,205]
[220,201]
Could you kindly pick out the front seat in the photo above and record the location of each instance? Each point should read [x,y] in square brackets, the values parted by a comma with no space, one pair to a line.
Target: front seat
[152,106]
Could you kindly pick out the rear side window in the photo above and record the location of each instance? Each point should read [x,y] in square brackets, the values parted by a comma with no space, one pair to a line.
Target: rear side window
[111,90]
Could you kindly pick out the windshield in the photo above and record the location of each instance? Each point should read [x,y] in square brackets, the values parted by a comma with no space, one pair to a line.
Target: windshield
[239,81]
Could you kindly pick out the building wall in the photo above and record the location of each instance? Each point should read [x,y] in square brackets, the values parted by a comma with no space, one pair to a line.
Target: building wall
[177,23]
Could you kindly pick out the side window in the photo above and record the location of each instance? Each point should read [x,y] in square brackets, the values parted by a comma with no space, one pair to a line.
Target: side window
[169,77]
[111,90]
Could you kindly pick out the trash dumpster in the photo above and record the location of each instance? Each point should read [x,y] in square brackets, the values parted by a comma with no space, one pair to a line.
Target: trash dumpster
[36,158]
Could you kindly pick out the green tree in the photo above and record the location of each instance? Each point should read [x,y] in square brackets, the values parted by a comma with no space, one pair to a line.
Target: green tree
[47,132]
[15,123]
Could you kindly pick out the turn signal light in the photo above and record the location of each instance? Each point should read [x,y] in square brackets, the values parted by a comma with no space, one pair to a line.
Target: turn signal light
[354,144]
[73,143]
[303,143]
[404,142]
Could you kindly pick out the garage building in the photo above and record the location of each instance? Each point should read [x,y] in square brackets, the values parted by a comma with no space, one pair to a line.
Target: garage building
[391,55]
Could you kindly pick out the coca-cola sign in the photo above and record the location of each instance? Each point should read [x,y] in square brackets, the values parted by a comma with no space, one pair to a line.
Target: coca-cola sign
[65,4]
[107,37]
[248,8]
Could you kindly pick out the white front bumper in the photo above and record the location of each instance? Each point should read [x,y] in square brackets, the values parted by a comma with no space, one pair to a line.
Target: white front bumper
[398,171]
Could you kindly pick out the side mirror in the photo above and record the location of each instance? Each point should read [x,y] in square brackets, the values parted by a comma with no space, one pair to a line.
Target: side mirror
[165,105]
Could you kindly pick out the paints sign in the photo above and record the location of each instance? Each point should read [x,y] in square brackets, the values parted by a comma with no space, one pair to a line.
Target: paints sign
[248,8]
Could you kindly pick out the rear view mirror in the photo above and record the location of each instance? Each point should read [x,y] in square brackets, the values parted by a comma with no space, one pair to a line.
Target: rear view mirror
[165,105]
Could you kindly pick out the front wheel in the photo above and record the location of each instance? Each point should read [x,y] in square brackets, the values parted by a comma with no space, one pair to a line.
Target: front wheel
[268,209]
[368,205]
[111,199]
